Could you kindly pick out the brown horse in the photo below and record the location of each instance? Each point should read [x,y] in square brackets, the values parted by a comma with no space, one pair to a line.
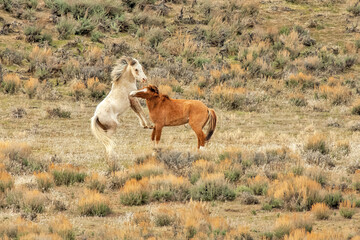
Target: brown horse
[165,111]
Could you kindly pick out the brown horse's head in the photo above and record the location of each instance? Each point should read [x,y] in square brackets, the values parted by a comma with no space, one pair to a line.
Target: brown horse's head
[146,92]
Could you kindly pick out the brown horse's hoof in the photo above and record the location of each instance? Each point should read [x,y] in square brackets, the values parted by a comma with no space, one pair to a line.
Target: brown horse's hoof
[149,127]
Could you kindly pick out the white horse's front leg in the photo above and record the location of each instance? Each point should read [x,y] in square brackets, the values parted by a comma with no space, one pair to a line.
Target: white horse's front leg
[136,107]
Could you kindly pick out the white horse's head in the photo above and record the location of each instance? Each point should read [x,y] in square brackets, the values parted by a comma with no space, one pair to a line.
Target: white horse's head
[137,71]
[129,64]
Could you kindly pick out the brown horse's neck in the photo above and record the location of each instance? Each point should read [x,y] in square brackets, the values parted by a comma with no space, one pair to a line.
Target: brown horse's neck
[155,101]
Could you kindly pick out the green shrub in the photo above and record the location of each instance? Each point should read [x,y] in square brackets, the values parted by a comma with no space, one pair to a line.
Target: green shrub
[355,10]
[298,170]
[58,112]
[7,5]
[58,7]
[298,101]
[284,30]
[259,185]
[233,175]
[177,89]
[100,210]
[94,204]
[9,56]
[33,34]
[32,4]
[333,199]
[243,188]
[356,110]
[14,198]
[199,62]
[162,195]
[273,203]
[65,28]
[356,186]
[135,198]
[162,220]
[85,27]
[347,209]
[357,44]
[96,36]
[67,175]
[155,36]
[357,203]
[212,188]
[95,184]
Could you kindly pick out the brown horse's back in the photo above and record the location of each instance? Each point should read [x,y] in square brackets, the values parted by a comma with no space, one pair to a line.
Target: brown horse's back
[178,111]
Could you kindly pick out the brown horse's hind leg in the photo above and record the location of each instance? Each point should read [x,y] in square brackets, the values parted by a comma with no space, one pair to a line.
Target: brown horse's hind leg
[196,123]
[200,135]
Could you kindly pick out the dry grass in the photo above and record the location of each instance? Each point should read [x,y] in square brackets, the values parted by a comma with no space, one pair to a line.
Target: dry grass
[337,95]
[92,203]
[30,87]
[288,223]
[135,192]
[347,209]
[20,228]
[229,98]
[78,89]
[6,181]
[317,142]
[34,201]
[97,89]
[301,80]
[321,211]
[44,181]
[61,226]
[96,182]
[66,174]
[11,83]
[93,55]
[323,235]
[41,59]
[297,192]
[11,152]
[259,184]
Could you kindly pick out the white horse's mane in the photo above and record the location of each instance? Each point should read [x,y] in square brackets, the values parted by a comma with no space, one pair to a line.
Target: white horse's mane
[120,66]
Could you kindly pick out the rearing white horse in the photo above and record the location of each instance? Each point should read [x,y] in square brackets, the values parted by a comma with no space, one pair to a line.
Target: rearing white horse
[104,122]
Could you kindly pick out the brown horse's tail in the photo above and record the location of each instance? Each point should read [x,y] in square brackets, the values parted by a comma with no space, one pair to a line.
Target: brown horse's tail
[212,124]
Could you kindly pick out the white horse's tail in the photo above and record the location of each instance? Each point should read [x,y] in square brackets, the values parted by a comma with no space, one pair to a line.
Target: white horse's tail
[101,135]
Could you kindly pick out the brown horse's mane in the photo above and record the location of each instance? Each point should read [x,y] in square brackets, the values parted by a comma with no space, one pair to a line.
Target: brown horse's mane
[164,97]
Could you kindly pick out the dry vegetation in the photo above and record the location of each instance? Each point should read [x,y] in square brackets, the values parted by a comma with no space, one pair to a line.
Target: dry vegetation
[283,77]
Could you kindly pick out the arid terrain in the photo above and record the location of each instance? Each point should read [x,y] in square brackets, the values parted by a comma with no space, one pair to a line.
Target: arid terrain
[282,76]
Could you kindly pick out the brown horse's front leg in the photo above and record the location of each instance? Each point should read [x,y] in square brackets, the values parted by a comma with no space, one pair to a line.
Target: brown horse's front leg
[153,134]
[136,107]
[158,129]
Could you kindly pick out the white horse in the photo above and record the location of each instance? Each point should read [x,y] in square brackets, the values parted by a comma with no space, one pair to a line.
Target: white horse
[104,122]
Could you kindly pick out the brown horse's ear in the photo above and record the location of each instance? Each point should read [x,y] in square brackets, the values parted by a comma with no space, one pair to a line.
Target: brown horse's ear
[154,89]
